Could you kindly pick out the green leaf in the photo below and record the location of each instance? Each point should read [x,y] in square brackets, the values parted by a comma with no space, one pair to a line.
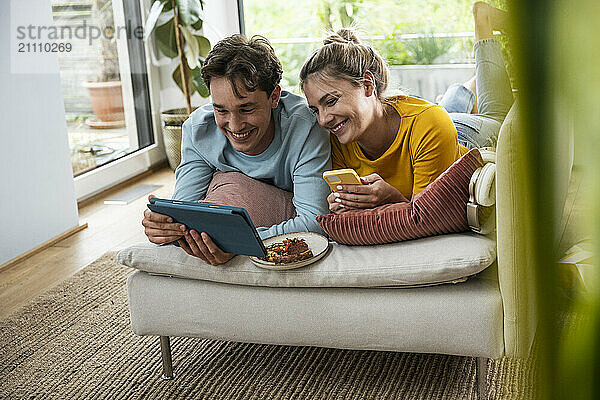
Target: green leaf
[155,11]
[198,25]
[165,38]
[189,11]
[176,75]
[203,45]
[192,50]
[199,82]
[168,5]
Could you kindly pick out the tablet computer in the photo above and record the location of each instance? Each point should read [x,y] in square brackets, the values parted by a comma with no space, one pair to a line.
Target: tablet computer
[229,227]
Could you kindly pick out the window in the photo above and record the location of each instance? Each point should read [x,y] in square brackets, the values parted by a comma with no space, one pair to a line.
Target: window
[105,85]
[407,32]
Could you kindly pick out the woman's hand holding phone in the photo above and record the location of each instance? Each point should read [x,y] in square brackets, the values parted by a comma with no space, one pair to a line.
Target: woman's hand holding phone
[373,192]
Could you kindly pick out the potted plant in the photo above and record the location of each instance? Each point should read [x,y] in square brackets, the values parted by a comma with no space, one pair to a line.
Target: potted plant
[105,91]
[175,25]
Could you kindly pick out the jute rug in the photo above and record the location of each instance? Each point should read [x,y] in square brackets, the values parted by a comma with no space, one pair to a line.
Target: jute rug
[74,341]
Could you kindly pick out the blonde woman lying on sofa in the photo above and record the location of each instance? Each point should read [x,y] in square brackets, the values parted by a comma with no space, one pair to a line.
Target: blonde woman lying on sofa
[400,144]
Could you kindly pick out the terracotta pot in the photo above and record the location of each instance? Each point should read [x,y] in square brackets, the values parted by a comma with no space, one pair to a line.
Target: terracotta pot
[173,119]
[107,100]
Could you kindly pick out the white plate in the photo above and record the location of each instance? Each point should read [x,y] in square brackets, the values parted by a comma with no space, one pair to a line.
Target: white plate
[318,244]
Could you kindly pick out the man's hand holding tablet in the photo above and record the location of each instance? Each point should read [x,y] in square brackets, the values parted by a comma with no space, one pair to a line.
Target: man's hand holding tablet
[191,225]
[160,228]
[202,246]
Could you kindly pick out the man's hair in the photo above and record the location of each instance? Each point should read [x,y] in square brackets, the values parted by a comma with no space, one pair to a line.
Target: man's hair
[251,62]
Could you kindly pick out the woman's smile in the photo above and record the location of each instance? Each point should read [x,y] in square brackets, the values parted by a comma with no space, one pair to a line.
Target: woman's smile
[339,128]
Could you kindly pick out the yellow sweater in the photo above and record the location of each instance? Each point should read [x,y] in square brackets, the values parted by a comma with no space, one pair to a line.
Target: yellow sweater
[425,146]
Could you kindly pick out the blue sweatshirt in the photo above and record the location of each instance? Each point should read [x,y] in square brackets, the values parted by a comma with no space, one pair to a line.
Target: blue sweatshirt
[294,161]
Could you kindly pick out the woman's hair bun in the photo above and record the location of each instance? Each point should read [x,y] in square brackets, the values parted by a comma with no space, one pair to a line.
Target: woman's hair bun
[343,36]
[344,56]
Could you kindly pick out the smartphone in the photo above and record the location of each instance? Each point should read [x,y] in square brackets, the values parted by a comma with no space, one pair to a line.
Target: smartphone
[336,177]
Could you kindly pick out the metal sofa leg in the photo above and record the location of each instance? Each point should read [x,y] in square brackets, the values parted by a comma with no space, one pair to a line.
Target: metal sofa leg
[481,370]
[165,350]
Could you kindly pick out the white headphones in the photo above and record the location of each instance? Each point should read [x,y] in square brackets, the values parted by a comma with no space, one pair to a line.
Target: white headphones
[481,210]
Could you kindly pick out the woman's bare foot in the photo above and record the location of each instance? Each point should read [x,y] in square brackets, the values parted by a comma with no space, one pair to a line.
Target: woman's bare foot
[489,19]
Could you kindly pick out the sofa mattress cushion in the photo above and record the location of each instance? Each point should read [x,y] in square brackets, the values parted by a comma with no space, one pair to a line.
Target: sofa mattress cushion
[425,261]
[463,319]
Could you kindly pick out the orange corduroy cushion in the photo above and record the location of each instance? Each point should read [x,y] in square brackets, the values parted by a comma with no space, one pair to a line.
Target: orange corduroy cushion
[440,208]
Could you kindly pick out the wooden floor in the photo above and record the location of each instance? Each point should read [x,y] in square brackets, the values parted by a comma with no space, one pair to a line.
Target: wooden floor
[110,227]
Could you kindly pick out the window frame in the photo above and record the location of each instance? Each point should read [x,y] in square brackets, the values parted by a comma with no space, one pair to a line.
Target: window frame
[152,152]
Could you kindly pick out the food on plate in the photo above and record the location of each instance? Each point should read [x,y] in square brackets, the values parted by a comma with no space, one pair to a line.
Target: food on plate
[288,251]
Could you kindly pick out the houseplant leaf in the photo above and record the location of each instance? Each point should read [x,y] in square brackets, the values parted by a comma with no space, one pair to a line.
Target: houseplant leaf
[168,5]
[157,8]
[198,25]
[192,49]
[165,38]
[176,75]
[198,82]
[203,45]
[189,11]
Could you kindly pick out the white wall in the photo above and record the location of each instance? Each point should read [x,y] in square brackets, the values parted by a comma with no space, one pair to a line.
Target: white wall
[221,19]
[36,189]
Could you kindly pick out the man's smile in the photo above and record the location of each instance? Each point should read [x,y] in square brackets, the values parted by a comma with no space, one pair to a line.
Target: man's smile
[240,136]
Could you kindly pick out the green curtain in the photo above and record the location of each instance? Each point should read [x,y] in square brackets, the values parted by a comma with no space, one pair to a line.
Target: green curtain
[558,76]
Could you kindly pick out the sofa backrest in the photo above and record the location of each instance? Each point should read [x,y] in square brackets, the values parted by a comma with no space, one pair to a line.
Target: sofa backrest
[514,227]
[515,272]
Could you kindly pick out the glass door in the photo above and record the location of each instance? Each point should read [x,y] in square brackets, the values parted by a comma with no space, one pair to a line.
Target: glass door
[104,81]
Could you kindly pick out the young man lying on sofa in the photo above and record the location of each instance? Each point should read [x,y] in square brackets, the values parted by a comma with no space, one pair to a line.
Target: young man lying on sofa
[252,133]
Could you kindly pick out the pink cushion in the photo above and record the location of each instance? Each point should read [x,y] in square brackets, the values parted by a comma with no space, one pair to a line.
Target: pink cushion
[439,209]
[267,205]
